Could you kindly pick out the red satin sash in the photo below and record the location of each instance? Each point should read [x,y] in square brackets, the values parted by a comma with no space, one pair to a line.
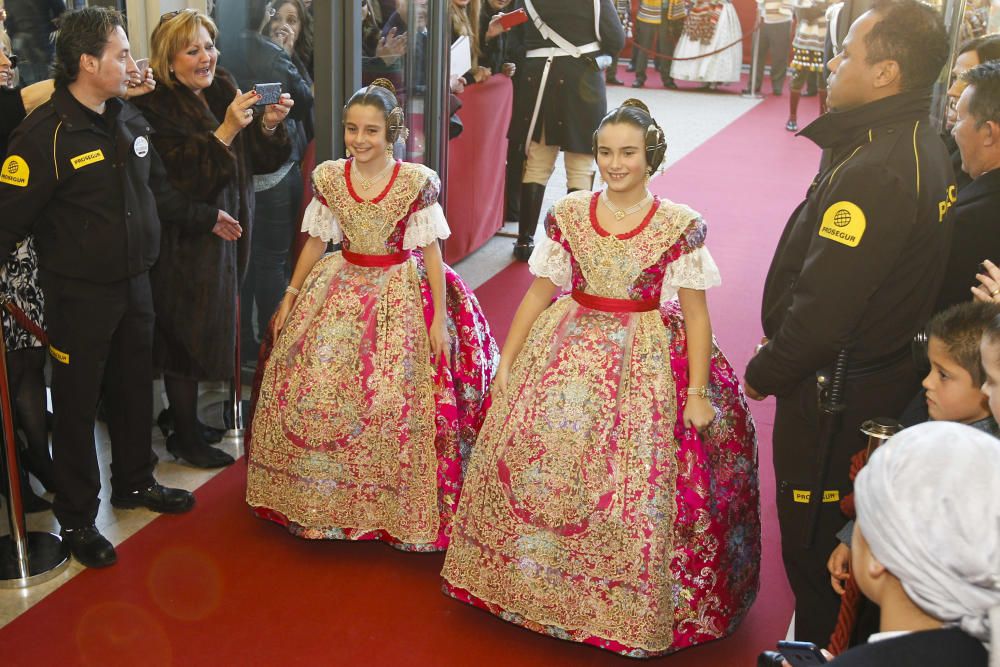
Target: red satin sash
[615,305]
[376,260]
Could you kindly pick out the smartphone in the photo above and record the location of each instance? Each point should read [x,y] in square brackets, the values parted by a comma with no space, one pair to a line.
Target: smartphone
[269,93]
[516,17]
[142,64]
[801,654]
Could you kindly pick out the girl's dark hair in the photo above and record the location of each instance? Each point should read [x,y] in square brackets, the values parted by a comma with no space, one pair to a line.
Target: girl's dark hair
[381,94]
[634,112]
[304,40]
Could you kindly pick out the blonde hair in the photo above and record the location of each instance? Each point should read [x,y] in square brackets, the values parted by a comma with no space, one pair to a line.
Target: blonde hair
[466,22]
[173,35]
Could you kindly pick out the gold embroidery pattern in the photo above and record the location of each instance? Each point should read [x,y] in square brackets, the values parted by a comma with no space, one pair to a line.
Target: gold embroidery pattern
[344,432]
[567,515]
[368,225]
[609,264]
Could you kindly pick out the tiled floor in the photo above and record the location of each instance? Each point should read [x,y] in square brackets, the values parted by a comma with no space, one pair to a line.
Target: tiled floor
[688,117]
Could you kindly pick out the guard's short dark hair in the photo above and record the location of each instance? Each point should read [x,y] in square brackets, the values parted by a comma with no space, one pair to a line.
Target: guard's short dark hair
[960,328]
[984,100]
[986,47]
[84,31]
[911,33]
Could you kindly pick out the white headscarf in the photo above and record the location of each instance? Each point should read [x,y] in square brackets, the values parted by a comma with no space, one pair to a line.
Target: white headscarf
[928,504]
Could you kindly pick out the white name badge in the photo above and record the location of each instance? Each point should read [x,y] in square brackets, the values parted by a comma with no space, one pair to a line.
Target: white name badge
[141,146]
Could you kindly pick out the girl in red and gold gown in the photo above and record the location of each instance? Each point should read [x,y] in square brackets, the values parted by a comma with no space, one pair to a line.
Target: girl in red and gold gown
[373,393]
[612,496]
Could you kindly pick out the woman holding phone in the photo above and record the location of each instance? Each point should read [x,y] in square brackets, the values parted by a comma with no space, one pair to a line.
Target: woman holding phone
[212,141]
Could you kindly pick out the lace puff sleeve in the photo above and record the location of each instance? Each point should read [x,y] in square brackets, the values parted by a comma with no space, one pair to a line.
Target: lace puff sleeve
[319,221]
[427,222]
[550,259]
[695,269]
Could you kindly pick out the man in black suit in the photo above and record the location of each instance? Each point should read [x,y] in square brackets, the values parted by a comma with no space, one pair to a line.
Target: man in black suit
[975,218]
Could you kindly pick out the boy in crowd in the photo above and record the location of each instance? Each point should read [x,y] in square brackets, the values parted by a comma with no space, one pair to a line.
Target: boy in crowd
[954,390]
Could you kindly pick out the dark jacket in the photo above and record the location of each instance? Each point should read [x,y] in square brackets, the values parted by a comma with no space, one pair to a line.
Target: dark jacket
[575,98]
[92,191]
[861,259]
[931,648]
[11,114]
[975,221]
[507,47]
[195,283]
[251,58]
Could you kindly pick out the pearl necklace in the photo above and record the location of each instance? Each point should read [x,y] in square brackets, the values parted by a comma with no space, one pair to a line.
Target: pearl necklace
[622,212]
[366,183]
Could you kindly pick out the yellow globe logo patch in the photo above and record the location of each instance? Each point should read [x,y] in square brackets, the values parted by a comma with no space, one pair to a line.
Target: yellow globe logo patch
[843,223]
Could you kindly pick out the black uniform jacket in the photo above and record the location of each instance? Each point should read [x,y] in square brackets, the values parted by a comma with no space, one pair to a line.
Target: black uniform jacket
[975,221]
[88,187]
[575,97]
[860,261]
[918,649]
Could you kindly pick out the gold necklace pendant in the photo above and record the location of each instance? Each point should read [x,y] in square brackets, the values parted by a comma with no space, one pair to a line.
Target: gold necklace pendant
[619,214]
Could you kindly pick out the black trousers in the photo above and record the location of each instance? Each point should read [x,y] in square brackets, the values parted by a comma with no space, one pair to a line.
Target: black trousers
[667,33]
[796,462]
[776,40]
[99,331]
[275,217]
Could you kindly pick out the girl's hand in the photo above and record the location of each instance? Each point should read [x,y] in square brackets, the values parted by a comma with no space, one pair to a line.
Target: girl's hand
[698,413]
[481,73]
[440,341]
[280,317]
[275,114]
[500,381]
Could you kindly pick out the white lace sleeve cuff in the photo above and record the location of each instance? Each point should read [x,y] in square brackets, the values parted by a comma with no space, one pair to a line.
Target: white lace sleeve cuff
[695,270]
[319,221]
[550,260]
[425,227]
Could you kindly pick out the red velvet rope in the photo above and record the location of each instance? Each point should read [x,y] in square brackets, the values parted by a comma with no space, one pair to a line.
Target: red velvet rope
[25,322]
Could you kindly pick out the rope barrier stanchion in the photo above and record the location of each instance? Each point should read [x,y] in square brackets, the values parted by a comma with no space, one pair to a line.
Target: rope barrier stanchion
[755,63]
[26,558]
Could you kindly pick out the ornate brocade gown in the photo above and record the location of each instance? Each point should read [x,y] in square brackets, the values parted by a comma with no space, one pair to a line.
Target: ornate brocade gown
[357,435]
[589,512]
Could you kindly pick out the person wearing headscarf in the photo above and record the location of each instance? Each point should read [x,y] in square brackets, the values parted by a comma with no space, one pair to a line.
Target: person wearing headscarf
[926,548]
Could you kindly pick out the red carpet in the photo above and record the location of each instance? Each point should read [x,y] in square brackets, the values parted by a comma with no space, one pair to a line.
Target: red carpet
[218,587]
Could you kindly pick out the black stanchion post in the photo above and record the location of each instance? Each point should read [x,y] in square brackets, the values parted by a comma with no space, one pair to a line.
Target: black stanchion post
[26,558]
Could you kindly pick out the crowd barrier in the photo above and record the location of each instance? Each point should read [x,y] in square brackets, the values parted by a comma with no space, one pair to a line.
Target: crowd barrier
[477,161]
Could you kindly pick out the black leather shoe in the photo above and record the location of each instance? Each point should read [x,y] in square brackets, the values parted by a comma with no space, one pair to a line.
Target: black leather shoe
[89,547]
[199,454]
[614,81]
[157,497]
[638,83]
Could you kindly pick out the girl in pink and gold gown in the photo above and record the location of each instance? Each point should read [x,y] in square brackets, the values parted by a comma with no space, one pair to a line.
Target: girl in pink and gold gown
[612,496]
[373,393]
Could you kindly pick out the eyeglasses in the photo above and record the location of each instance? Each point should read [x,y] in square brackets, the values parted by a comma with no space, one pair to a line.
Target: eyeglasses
[170,15]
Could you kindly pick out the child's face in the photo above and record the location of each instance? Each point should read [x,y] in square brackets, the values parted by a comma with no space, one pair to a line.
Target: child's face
[951,394]
[990,354]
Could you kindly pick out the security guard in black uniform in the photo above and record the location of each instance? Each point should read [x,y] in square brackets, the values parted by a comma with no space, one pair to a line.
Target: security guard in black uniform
[82,176]
[857,267]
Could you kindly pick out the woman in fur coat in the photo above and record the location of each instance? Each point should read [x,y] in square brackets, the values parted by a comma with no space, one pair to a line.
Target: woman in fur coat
[212,142]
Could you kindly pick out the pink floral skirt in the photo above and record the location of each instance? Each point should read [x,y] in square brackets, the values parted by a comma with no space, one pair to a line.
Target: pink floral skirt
[589,512]
[357,433]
